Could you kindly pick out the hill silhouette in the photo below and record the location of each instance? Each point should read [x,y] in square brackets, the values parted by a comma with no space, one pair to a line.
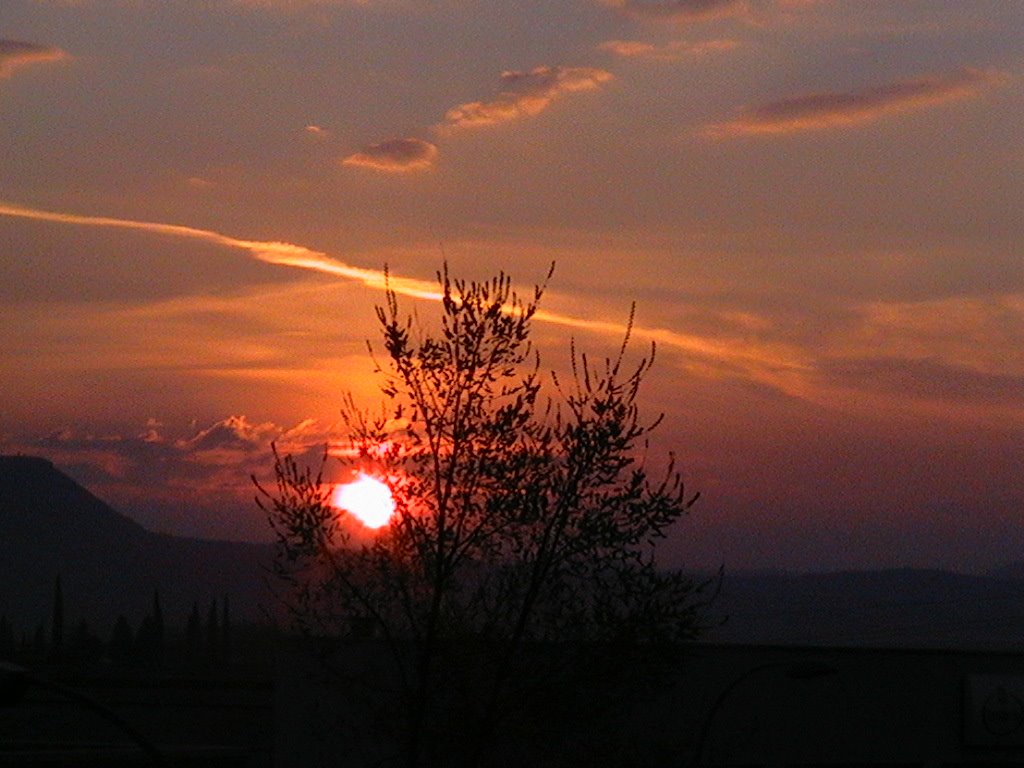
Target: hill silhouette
[889,608]
[108,564]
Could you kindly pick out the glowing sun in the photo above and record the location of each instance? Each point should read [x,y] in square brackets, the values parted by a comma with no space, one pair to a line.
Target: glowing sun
[367,499]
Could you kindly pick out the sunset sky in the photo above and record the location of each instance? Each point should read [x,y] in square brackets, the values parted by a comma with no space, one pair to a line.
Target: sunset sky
[815,204]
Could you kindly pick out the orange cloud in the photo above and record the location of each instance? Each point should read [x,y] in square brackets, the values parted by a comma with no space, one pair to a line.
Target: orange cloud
[15,54]
[676,50]
[685,11]
[777,365]
[982,332]
[818,111]
[962,351]
[296,5]
[525,94]
[395,156]
[285,254]
[926,379]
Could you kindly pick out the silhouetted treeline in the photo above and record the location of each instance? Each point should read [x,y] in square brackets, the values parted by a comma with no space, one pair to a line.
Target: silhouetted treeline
[206,641]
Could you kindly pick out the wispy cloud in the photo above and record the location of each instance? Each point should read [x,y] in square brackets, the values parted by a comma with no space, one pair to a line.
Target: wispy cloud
[776,365]
[236,433]
[685,11]
[285,254]
[982,332]
[927,379]
[524,94]
[297,5]
[819,111]
[677,50]
[15,54]
[958,356]
[395,156]
[198,182]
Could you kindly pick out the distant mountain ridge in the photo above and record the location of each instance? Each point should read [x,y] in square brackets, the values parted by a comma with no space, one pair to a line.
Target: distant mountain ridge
[109,564]
[900,607]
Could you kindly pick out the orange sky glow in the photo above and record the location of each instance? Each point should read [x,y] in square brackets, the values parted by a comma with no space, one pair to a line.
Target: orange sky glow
[813,205]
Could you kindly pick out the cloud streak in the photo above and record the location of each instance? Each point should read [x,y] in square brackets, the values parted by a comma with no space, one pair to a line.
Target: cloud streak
[776,365]
[525,94]
[684,11]
[297,5]
[395,156]
[927,379]
[677,50]
[820,111]
[15,54]
[271,252]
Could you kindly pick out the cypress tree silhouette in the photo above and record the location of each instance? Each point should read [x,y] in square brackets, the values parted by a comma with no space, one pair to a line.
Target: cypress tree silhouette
[39,641]
[7,644]
[212,633]
[121,640]
[84,644]
[194,635]
[158,627]
[145,639]
[57,623]
[225,630]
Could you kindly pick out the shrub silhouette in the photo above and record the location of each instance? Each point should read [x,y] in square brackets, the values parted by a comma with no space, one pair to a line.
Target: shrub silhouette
[523,520]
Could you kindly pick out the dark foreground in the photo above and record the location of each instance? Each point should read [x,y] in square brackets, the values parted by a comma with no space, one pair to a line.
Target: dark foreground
[717,705]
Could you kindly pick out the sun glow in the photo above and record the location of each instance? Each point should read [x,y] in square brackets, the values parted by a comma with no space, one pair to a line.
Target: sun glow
[367,499]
